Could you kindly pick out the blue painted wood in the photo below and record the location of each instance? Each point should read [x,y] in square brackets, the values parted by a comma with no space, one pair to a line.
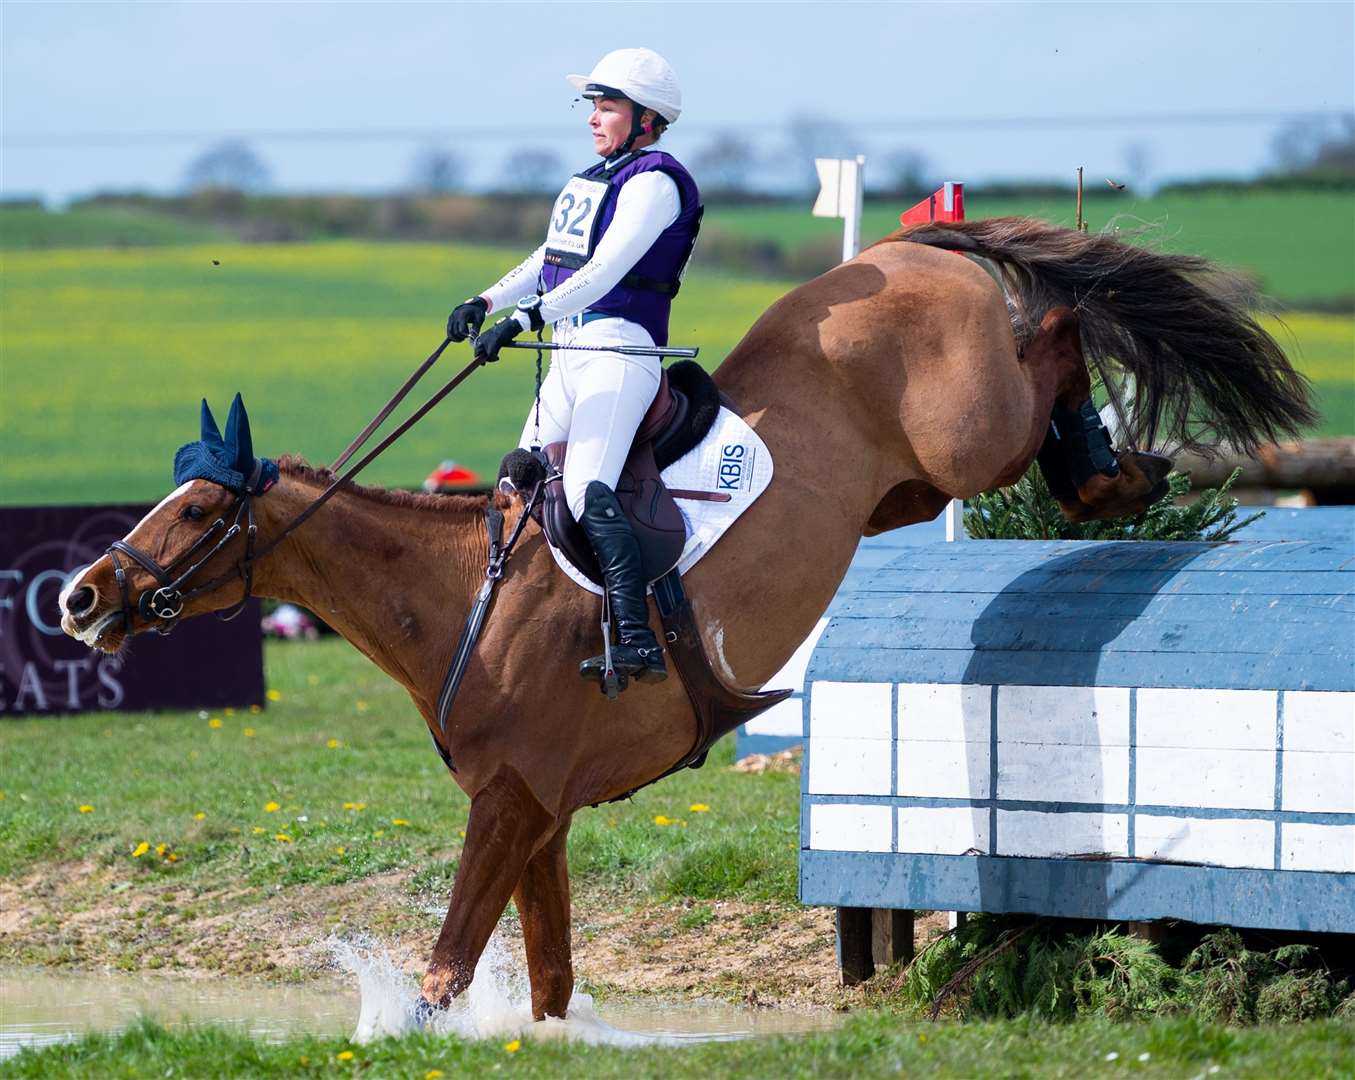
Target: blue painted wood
[1117,889]
[1016,668]
[1246,615]
[1302,523]
[1114,613]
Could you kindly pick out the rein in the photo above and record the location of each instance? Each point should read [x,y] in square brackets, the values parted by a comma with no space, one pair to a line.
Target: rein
[166,602]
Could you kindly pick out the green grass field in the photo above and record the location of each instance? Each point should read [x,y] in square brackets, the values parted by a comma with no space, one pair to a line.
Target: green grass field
[1299,245]
[106,352]
[377,799]
[871,1045]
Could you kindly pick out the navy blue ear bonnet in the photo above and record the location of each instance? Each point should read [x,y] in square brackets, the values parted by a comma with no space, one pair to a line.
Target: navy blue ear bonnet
[229,462]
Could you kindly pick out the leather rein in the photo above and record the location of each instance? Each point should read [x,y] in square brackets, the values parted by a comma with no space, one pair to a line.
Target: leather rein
[163,605]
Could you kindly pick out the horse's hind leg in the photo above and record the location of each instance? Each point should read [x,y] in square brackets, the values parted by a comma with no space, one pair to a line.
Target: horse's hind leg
[507,825]
[543,903]
[1084,474]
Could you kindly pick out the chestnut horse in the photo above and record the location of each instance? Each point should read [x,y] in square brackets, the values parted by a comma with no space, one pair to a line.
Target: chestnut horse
[884,388]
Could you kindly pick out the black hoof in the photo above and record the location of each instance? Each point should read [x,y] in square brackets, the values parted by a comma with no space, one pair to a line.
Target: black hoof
[423,1014]
[1153,466]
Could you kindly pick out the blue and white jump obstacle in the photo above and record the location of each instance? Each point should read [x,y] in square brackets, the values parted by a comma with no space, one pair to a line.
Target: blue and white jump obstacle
[1121,731]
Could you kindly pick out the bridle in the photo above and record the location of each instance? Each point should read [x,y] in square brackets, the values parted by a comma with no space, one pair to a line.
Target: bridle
[165,603]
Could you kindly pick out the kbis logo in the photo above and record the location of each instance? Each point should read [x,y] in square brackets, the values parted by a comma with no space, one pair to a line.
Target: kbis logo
[736,467]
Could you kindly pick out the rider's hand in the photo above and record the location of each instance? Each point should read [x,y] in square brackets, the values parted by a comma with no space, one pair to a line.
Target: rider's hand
[467,318]
[490,341]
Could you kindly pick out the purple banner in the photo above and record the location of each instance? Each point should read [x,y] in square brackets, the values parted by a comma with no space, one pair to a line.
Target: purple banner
[204,664]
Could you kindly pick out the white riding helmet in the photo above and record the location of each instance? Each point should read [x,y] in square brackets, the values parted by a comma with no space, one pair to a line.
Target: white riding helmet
[640,74]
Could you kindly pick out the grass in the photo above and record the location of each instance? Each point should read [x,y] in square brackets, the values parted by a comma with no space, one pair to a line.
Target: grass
[316,336]
[347,768]
[98,226]
[1300,245]
[872,1045]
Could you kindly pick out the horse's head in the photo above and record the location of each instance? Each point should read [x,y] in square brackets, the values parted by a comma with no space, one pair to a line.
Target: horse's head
[191,554]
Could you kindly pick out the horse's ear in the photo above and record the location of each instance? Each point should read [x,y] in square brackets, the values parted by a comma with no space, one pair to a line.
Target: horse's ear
[239,443]
[211,434]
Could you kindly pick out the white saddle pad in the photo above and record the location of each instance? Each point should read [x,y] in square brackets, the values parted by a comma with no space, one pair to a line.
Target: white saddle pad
[731,460]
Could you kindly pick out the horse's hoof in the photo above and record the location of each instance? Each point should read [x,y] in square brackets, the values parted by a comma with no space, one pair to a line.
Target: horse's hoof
[422,1016]
[1154,467]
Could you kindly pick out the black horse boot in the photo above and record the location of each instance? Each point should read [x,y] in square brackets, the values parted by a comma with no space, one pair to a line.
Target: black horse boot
[637,653]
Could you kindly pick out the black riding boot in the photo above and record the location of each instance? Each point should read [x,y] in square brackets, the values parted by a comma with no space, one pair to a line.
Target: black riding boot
[637,653]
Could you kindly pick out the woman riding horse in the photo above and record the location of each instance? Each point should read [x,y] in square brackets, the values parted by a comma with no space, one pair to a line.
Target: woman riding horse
[616,247]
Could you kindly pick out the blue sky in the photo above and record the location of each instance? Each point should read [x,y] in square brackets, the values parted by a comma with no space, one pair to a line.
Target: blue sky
[202,71]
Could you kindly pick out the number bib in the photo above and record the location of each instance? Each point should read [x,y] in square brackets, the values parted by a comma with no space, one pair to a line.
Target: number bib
[574,217]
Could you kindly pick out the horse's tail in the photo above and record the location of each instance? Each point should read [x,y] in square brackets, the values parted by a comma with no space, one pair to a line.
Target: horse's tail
[1203,369]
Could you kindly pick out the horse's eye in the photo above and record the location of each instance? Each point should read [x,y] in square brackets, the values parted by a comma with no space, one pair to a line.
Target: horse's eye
[193,513]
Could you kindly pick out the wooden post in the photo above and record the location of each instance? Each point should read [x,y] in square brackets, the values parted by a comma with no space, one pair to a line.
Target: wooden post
[891,936]
[855,959]
[1081,222]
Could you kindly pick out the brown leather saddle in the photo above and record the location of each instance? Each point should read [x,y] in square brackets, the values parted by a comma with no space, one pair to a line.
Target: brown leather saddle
[683,412]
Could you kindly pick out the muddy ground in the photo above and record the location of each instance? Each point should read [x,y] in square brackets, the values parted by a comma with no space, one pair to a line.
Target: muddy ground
[84,916]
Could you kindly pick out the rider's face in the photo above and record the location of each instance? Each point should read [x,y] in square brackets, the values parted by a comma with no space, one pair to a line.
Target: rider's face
[610,123]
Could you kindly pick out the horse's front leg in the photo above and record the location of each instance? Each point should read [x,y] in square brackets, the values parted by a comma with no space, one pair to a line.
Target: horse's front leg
[543,903]
[507,825]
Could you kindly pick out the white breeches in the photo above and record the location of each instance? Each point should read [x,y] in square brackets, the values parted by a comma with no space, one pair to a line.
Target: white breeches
[596,401]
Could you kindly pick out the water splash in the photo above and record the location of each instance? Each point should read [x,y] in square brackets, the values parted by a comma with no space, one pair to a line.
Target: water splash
[498,1004]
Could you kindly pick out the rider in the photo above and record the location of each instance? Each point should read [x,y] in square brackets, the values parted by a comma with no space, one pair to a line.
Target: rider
[616,247]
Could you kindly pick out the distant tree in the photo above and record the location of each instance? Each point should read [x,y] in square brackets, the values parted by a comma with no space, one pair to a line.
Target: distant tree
[532,171]
[1314,146]
[819,137]
[906,171]
[725,164]
[436,171]
[230,166]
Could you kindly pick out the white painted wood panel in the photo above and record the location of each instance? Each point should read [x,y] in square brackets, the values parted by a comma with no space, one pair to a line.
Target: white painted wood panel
[942,830]
[1207,719]
[849,766]
[1321,721]
[850,710]
[1318,782]
[1038,834]
[1216,778]
[943,770]
[1056,773]
[1318,847]
[849,827]
[1068,715]
[946,712]
[1213,841]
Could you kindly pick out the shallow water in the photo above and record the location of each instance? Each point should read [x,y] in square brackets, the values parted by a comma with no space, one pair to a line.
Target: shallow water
[38,1007]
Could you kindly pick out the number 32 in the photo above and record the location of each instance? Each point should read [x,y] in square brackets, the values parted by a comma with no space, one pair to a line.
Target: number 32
[566,205]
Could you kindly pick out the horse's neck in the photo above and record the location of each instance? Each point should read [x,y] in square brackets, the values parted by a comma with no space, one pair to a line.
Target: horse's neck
[395,580]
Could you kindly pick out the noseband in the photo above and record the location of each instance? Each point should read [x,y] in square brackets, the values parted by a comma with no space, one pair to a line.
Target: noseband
[166,603]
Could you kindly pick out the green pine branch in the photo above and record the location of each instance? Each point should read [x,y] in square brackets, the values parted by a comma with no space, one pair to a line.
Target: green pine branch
[1027,511]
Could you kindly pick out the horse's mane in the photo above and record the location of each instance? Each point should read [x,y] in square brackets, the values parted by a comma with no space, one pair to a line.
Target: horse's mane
[298,468]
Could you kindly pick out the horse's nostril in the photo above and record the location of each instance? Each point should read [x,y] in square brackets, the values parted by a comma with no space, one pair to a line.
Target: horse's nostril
[81,600]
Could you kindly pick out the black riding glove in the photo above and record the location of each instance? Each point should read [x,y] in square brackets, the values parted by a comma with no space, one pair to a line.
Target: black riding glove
[488,344]
[467,318]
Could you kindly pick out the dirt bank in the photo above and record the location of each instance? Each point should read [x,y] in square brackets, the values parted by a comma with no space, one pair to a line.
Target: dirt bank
[84,916]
